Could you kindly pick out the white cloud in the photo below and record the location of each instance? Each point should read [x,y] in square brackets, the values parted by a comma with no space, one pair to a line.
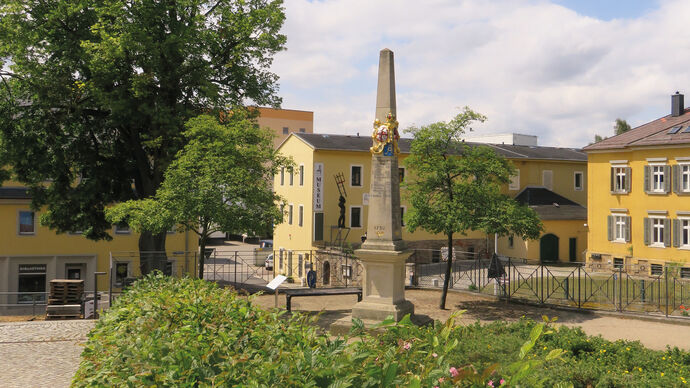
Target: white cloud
[530,66]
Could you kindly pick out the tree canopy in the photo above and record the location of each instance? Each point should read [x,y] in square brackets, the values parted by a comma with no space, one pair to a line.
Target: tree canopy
[94,94]
[219,181]
[456,188]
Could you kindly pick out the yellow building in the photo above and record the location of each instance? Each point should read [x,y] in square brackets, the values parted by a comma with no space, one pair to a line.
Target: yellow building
[312,197]
[639,213]
[31,255]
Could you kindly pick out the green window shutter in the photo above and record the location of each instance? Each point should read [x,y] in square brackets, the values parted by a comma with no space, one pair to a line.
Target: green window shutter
[647,232]
[610,227]
[647,171]
[667,232]
[628,180]
[667,179]
[627,229]
[676,232]
[676,179]
[613,179]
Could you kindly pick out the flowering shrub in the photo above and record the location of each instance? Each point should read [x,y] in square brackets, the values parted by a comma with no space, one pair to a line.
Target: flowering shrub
[184,332]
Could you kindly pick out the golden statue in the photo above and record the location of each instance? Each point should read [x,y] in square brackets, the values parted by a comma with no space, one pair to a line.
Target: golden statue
[385,133]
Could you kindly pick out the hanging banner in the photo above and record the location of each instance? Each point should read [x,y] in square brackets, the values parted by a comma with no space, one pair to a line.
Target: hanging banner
[318,187]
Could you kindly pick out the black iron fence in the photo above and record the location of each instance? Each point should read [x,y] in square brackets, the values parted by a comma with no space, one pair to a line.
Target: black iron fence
[664,290]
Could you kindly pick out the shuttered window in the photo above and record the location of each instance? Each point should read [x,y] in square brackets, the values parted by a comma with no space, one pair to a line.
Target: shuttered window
[657,232]
[657,179]
[619,228]
[620,180]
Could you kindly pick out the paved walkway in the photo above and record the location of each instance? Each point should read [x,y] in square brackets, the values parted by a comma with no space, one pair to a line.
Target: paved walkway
[41,354]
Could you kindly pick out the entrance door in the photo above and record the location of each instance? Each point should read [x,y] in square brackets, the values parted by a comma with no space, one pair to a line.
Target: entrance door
[548,248]
[326,273]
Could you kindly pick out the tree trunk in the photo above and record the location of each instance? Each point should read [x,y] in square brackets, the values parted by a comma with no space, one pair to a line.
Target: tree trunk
[449,264]
[152,254]
[202,256]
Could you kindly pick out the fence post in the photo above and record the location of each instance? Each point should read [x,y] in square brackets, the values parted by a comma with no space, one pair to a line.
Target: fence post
[620,289]
[541,282]
[579,285]
[509,282]
[33,307]
[666,281]
[235,260]
[566,289]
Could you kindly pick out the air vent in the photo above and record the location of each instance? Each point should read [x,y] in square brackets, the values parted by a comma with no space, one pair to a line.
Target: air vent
[674,130]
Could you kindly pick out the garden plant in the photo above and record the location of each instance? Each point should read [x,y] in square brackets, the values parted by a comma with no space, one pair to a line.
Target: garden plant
[186,332]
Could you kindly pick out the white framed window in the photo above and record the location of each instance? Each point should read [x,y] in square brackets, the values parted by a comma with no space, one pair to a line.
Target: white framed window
[620,177]
[282,176]
[684,226]
[657,178]
[356,176]
[515,181]
[402,215]
[658,183]
[657,231]
[685,177]
[286,130]
[547,179]
[290,214]
[355,216]
[300,215]
[619,228]
[301,175]
[122,228]
[401,174]
[26,223]
[292,177]
[578,182]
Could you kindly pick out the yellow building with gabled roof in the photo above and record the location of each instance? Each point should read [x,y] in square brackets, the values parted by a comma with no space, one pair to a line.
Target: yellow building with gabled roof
[31,255]
[639,213]
[312,199]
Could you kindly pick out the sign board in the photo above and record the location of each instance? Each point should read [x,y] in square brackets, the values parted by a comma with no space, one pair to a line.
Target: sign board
[365,198]
[277,281]
[32,269]
[318,187]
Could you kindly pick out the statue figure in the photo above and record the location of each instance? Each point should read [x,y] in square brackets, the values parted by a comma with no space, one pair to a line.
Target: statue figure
[384,134]
[341,205]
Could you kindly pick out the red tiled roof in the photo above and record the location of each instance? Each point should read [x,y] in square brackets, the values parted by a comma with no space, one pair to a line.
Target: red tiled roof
[650,134]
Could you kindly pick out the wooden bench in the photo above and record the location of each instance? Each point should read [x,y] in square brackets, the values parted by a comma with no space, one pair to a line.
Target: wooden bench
[295,292]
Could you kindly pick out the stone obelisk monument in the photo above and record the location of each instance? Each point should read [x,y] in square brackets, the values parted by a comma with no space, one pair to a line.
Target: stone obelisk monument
[383,254]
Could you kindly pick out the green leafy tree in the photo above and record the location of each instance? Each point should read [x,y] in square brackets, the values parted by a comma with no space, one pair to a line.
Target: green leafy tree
[621,126]
[220,181]
[456,188]
[94,94]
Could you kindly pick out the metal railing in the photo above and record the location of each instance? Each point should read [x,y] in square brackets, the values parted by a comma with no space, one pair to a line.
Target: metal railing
[665,290]
[23,303]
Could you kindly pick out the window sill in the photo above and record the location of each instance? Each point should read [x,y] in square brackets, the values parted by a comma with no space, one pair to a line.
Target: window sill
[26,234]
[657,193]
[620,192]
[619,241]
[684,247]
[656,245]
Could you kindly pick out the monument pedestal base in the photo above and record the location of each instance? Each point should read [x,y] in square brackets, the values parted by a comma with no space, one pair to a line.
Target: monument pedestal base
[383,285]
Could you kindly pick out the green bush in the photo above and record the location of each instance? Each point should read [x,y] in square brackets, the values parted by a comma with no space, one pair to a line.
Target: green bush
[184,332]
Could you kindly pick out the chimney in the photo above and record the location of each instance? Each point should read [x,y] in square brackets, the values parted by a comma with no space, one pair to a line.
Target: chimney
[677,106]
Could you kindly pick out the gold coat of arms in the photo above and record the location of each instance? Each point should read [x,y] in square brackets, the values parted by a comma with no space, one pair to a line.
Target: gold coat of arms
[385,136]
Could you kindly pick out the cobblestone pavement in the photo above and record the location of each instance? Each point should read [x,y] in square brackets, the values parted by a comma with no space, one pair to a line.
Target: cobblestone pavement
[41,354]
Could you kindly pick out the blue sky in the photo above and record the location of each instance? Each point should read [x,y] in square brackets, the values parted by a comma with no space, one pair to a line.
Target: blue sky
[610,9]
[561,70]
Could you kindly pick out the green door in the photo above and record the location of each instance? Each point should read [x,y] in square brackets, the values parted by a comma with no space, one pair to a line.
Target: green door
[548,248]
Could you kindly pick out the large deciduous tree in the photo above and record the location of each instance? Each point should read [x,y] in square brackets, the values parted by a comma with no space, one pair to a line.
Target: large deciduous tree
[219,181]
[456,188]
[94,94]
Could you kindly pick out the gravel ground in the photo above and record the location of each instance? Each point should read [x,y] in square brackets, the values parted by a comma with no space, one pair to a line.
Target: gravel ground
[41,354]
[652,334]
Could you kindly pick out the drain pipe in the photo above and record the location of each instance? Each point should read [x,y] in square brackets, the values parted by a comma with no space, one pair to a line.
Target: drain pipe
[496,243]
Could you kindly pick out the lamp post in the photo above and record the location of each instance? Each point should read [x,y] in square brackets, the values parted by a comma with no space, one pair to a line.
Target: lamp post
[95,293]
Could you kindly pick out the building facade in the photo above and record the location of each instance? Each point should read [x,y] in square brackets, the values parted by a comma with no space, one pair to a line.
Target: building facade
[286,121]
[31,255]
[639,214]
[312,194]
